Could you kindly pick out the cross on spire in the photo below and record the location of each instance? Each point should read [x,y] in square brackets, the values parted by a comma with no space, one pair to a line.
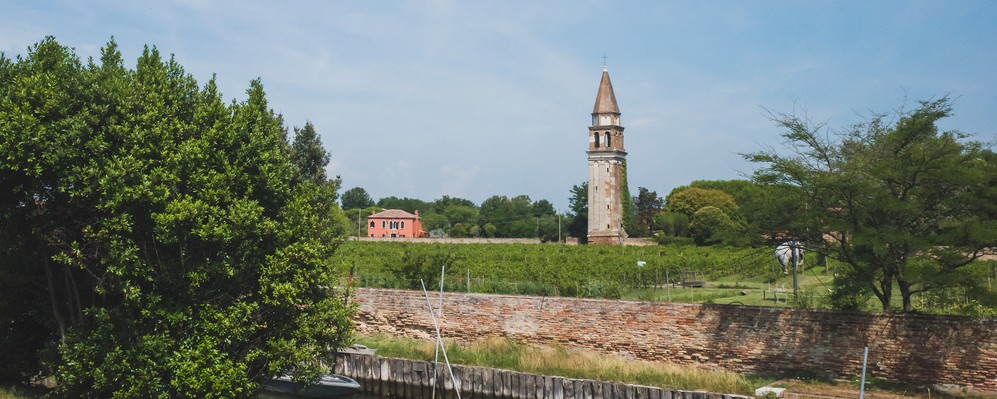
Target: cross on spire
[603,60]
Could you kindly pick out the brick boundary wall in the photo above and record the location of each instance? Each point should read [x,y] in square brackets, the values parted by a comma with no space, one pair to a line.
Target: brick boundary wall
[922,349]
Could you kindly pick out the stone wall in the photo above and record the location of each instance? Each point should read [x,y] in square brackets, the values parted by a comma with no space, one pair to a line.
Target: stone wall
[909,348]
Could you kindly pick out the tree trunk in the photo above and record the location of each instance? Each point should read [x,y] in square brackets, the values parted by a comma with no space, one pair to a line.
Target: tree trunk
[55,302]
[906,294]
[885,292]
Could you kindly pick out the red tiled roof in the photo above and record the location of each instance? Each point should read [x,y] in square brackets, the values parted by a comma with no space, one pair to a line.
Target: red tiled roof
[393,214]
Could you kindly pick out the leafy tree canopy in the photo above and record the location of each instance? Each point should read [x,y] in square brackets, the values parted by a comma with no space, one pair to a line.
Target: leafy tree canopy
[406,204]
[905,203]
[165,243]
[356,197]
[689,200]
[579,218]
[648,204]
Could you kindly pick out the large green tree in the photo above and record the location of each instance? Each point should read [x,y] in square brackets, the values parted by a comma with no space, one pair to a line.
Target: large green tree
[905,203]
[688,200]
[768,209]
[648,204]
[578,224]
[512,217]
[356,197]
[165,244]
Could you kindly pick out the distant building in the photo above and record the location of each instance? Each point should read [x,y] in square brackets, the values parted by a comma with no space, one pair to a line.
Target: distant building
[606,171]
[394,223]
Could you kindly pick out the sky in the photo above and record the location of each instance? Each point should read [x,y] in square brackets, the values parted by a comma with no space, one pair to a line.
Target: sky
[478,98]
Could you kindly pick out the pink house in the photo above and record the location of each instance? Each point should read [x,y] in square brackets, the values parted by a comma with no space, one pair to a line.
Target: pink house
[394,223]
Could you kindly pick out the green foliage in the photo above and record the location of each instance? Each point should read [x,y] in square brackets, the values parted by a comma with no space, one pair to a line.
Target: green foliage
[768,209]
[627,201]
[406,204]
[170,241]
[578,224]
[671,224]
[849,292]
[512,217]
[566,270]
[689,200]
[310,157]
[909,205]
[710,225]
[648,204]
[356,197]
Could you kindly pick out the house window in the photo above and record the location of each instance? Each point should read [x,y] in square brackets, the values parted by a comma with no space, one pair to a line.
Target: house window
[403,224]
[383,224]
[371,236]
[372,224]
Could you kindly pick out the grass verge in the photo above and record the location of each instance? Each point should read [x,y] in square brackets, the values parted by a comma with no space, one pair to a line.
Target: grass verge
[510,355]
[11,392]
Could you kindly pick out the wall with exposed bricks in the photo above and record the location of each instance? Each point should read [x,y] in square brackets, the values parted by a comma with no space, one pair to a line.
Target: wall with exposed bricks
[911,348]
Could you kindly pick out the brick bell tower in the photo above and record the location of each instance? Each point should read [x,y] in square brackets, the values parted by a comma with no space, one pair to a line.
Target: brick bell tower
[606,157]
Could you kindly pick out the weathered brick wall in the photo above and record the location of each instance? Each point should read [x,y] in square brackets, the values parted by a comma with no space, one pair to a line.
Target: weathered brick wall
[912,348]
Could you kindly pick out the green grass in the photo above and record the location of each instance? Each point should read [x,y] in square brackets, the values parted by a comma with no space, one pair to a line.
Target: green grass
[559,361]
[13,392]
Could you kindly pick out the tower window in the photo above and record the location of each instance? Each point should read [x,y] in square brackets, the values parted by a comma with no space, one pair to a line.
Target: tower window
[597,140]
[607,206]
[608,140]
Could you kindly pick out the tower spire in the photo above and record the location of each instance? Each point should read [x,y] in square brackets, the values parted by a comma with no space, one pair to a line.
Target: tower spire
[605,100]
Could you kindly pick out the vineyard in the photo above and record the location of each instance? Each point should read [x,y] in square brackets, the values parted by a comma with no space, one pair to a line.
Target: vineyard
[557,270]
[721,274]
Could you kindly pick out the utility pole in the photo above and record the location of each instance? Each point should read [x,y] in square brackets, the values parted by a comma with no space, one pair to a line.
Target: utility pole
[359,221]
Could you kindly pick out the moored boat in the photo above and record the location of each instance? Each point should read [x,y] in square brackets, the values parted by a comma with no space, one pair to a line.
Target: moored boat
[328,386]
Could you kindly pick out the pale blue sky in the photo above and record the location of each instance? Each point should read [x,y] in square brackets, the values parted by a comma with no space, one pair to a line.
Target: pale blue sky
[476,98]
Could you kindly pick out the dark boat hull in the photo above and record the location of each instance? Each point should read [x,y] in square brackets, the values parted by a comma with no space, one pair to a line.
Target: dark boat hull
[329,386]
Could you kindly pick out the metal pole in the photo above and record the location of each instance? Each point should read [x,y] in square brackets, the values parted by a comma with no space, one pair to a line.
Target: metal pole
[796,287]
[443,270]
[359,221]
[439,340]
[865,358]
[668,286]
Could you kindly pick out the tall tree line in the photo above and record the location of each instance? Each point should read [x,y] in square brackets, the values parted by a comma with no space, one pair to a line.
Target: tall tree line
[157,240]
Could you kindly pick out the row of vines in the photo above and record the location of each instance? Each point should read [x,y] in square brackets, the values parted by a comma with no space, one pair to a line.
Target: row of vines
[556,270]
